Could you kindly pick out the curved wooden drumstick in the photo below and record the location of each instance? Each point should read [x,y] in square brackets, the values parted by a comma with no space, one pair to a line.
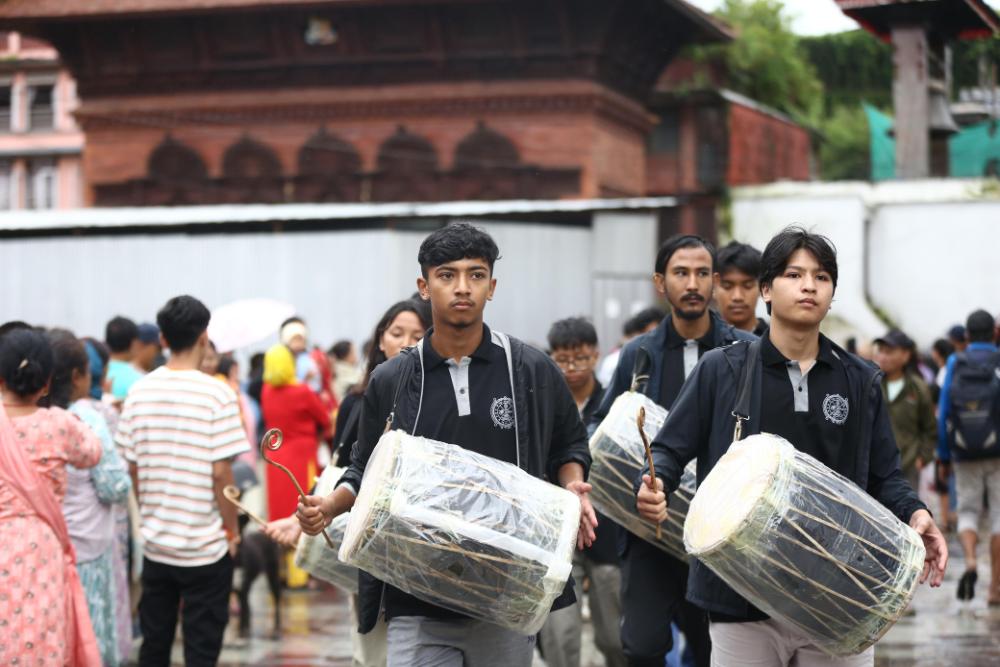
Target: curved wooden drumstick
[640,421]
[232,494]
[272,442]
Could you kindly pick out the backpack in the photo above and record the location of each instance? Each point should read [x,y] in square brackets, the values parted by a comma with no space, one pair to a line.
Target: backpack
[974,410]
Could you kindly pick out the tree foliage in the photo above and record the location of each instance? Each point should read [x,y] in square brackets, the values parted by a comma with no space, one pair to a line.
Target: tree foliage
[854,67]
[844,151]
[766,62]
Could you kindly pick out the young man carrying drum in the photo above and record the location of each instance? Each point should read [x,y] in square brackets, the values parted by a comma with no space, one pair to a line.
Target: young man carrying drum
[469,386]
[653,582]
[823,400]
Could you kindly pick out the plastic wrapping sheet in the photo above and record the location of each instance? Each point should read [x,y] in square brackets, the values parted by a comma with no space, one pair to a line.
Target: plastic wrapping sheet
[463,531]
[314,555]
[804,544]
[618,458]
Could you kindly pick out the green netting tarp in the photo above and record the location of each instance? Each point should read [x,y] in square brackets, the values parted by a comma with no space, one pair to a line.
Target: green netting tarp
[975,151]
[972,152]
[882,145]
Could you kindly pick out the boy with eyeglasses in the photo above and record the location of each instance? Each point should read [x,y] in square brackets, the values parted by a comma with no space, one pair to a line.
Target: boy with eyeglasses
[573,346]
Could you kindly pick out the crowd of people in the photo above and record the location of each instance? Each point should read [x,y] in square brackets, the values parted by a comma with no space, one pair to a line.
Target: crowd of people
[115,454]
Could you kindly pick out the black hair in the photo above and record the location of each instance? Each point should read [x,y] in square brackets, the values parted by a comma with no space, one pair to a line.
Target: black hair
[786,243]
[944,347]
[68,355]
[341,349]
[459,240]
[640,321]
[980,327]
[25,361]
[226,363]
[182,320]
[256,362]
[739,256]
[13,325]
[852,345]
[679,242]
[572,332]
[376,356]
[291,320]
[119,334]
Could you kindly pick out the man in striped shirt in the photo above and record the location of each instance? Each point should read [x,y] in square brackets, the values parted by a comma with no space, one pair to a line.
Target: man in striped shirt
[179,431]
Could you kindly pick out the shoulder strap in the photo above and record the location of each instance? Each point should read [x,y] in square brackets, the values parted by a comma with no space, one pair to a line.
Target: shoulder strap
[741,410]
[352,421]
[403,374]
[641,370]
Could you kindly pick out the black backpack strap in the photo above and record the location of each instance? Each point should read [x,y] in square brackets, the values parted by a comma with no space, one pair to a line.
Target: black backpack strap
[404,374]
[352,421]
[641,370]
[741,410]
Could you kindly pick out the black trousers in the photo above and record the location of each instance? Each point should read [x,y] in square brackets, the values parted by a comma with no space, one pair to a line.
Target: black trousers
[653,594]
[204,592]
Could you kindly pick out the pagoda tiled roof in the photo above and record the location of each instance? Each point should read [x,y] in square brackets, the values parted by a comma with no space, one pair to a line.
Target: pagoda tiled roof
[32,9]
[954,18]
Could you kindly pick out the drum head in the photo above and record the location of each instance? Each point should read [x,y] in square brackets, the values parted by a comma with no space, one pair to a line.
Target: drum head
[372,491]
[731,491]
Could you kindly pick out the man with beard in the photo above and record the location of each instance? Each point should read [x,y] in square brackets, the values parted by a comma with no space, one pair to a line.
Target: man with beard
[654,583]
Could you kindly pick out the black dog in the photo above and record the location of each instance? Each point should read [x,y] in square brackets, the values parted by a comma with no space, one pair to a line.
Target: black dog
[258,554]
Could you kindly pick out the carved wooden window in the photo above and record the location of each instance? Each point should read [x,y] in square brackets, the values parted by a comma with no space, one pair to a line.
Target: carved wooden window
[173,162]
[407,169]
[407,153]
[485,148]
[249,159]
[325,154]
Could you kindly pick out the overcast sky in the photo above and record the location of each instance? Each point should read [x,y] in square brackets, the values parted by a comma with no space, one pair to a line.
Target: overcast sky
[809,17]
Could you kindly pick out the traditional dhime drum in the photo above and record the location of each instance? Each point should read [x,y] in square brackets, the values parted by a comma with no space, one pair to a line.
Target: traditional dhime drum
[315,556]
[463,531]
[804,544]
[618,458]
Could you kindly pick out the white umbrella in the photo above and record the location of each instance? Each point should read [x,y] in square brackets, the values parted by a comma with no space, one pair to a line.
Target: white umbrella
[247,321]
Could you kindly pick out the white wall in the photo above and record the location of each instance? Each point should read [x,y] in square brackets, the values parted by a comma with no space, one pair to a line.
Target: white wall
[920,251]
[340,281]
[933,264]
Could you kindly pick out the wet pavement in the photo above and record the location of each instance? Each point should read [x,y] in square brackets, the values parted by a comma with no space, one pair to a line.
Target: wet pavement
[941,631]
[944,631]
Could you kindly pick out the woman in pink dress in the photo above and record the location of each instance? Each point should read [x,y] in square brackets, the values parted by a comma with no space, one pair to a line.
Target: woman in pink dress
[43,613]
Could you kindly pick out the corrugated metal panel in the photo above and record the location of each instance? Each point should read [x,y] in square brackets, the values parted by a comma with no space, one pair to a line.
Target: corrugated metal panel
[341,281]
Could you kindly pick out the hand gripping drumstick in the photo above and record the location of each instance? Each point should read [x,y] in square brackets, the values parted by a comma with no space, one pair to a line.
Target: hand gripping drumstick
[232,494]
[272,441]
[640,421]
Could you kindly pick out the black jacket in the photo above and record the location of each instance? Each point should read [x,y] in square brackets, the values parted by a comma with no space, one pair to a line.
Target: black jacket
[548,427]
[701,425]
[654,343]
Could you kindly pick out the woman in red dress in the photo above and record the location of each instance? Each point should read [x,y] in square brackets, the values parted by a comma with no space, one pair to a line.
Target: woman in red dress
[298,412]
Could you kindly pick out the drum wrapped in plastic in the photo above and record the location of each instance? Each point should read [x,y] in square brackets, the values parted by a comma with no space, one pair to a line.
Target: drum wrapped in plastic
[618,457]
[463,531]
[315,556]
[804,544]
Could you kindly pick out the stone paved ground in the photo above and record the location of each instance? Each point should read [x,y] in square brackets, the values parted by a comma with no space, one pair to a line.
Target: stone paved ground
[942,632]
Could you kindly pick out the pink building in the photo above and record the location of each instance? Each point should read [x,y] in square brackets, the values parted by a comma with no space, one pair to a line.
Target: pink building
[40,143]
